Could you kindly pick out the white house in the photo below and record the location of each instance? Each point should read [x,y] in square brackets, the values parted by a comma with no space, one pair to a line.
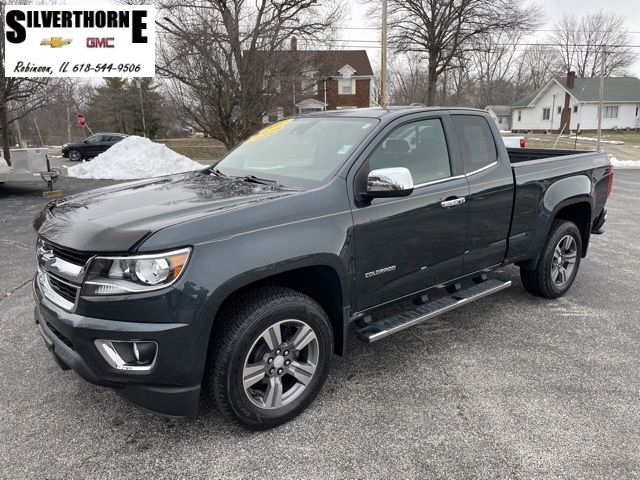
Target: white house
[544,109]
[501,114]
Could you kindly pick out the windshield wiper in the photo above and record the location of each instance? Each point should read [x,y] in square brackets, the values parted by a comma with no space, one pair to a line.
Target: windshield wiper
[263,181]
[217,172]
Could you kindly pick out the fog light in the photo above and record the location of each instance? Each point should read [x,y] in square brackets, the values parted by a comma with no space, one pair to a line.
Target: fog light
[144,352]
[128,355]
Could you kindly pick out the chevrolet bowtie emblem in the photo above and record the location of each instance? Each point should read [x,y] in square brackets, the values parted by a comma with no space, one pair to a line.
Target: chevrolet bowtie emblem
[55,42]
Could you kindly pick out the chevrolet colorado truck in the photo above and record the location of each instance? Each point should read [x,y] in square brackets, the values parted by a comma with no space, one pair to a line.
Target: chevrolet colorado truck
[243,279]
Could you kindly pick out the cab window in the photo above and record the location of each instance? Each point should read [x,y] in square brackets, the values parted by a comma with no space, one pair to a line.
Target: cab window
[420,147]
[477,145]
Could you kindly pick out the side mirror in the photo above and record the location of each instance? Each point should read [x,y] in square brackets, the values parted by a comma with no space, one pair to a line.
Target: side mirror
[389,182]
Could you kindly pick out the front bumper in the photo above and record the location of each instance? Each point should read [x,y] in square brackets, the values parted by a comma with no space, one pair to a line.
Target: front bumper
[169,388]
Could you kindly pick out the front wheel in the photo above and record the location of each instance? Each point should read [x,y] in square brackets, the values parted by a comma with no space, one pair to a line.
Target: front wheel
[75,155]
[270,358]
[558,264]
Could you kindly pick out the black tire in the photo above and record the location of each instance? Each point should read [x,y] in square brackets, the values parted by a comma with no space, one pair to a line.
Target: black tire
[74,155]
[238,337]
[539,280]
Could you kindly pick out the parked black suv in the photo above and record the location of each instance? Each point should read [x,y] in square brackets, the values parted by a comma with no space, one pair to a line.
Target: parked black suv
[91,146]
[243,278]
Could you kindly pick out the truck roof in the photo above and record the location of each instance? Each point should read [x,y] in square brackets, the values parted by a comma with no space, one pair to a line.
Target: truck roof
[380,112]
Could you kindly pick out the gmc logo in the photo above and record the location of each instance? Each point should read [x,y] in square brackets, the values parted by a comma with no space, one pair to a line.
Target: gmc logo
[94,42]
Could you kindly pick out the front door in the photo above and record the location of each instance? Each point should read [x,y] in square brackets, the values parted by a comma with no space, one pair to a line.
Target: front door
[404,245]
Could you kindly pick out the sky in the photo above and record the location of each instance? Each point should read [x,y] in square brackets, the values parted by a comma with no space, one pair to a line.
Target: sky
[361,35]
[360,30]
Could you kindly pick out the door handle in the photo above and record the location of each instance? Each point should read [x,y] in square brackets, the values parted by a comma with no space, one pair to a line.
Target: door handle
[454,202]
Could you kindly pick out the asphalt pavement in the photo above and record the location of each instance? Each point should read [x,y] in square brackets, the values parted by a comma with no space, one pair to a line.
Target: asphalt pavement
[512,386]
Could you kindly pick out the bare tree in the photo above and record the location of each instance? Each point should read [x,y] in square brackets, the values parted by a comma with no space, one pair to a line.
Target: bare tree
[580,42]
[444,30]
[18,96]
[407,79]
[224,61]
[493,61]
[535,66]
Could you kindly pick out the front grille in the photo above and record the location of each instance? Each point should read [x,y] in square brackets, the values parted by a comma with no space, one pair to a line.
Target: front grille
[70,255]
[65,290]
[64,339]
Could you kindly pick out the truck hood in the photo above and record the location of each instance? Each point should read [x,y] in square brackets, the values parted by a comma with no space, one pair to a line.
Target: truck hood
[115,219]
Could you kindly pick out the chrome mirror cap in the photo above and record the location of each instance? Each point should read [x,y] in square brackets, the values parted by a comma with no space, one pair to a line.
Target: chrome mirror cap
[389,182]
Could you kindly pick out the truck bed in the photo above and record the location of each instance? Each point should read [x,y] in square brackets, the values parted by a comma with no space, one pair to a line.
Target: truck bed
[542,177]
[517,155]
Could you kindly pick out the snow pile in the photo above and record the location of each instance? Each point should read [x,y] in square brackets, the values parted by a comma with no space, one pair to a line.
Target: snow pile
[133,158]
[625,163]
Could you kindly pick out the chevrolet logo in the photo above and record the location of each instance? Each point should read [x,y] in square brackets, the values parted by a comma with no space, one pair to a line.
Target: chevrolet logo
[55,42]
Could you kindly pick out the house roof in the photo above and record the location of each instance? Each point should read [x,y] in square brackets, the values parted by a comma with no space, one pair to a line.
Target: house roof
[616,89]
[311,103]
[327,63]
[499,109]
[526,100]
[332,61]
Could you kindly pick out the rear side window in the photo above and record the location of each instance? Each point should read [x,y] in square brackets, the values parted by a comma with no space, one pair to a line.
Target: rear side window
[476,142]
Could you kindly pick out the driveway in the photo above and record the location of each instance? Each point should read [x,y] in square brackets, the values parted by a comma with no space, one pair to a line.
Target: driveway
[512,386]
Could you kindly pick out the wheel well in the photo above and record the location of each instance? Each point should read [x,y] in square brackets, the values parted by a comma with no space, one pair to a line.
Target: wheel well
[319,282]
[580,214]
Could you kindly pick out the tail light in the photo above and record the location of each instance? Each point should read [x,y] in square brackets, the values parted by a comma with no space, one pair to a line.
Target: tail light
[610,180]
[523,143]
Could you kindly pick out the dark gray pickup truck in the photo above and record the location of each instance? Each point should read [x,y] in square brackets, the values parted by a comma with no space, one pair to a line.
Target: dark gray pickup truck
[243,279]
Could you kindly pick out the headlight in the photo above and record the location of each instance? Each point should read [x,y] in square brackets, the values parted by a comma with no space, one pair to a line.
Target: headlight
[137,273]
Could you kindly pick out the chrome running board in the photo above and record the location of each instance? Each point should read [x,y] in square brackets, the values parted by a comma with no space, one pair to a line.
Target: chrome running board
[400,321]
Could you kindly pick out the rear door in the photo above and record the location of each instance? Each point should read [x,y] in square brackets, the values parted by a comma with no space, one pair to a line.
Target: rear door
[407,244]
[105,142]
[488,172]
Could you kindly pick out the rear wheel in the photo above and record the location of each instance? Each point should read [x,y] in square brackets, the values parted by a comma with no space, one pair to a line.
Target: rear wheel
[558,264]
[271,357]
[75,155]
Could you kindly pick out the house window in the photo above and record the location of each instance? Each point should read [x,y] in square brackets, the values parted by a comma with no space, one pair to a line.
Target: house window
[546,113]
[519,115]
[575,109]
[559,109]
[611,111]
[273,115]
[347,86]
[309,86]
[309,83]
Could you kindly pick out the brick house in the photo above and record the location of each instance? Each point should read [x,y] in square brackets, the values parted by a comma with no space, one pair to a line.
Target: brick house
[312,80]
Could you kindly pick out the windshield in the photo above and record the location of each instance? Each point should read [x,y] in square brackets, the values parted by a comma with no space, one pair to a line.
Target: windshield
[300,151]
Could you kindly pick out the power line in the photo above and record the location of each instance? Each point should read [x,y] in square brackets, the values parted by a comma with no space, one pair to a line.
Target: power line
[634,32]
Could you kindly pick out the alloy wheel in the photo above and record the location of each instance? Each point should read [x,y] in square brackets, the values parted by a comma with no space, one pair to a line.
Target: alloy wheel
[280,364]
[75,155]
[564,260]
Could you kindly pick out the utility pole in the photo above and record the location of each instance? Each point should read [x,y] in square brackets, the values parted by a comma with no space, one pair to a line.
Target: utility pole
[601,95]
[383,57]
[68,122]
[144,120]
